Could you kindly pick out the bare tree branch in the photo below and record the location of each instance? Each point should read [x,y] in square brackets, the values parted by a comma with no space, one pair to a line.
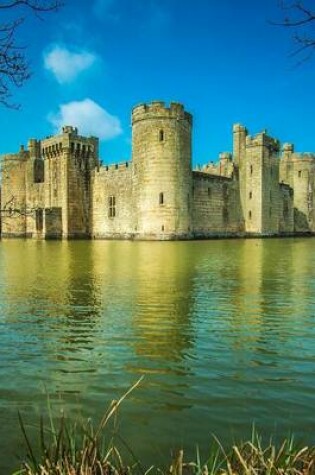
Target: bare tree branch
[305,15]
[14,66]
[9,210]
[35,5]
[301,19]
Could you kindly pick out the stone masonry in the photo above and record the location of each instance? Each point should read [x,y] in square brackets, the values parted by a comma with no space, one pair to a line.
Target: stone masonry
[58,188]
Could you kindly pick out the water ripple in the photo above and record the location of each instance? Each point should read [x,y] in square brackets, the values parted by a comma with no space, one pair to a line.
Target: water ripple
[223,335]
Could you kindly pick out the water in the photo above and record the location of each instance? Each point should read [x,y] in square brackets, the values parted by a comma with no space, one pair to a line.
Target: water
[224,332]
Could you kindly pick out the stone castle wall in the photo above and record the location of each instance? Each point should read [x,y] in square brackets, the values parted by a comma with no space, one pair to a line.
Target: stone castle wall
[216,206]
[50,186]
[286,210]
[13,195]
[298,170]
[58,188]
[112,202]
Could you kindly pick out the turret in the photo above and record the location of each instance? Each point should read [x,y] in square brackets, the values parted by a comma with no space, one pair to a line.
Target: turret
[36,172]
[239,145]
[34,148]
[259,180]
[162,176]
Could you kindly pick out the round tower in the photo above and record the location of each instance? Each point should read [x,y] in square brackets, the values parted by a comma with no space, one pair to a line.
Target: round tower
[162,175]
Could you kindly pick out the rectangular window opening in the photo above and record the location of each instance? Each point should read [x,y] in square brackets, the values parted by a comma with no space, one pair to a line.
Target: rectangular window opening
[112,206]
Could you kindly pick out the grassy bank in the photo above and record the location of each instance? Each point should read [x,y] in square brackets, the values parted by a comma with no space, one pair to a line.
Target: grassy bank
[69,455]
[70,448]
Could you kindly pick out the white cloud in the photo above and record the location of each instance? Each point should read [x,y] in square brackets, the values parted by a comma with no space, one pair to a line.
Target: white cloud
[66,65]
[89,117]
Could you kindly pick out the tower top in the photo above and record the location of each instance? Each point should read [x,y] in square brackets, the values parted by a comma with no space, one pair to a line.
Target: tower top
[69,129]
[159,110]
[288,147]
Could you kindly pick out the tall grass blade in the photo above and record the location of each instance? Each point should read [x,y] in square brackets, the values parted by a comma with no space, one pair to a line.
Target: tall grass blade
[28,444]
[60,437]
[133,455]
[51,419]
[42,435]
[116,405]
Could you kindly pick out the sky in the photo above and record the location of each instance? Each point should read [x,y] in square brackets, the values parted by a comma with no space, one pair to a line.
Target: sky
[224,60]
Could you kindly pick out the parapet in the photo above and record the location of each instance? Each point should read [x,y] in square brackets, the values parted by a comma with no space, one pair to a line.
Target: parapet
[263,140]
[69,129]
[239,128]
[116,167]
[15,158]
[288,147]
[226,156]
[304,157]
[159,110]
[33,146]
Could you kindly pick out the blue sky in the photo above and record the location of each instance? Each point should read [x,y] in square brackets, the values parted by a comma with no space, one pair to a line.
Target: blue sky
[95,59]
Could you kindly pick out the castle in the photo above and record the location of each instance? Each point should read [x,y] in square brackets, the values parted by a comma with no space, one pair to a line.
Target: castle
[58,188]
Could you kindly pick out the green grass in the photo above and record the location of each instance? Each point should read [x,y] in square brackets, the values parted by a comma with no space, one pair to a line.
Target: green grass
[81,449]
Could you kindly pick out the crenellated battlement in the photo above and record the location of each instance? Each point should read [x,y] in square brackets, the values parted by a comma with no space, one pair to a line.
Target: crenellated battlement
[288,147]
[263,140]
[223,168]
[237,128]
[303,157]
[115,167]
[69,141]
[69,129]
[159,109]
[225,156]
[157,194]
[14,158]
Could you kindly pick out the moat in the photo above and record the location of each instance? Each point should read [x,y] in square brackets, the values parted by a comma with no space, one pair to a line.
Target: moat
[224,332]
